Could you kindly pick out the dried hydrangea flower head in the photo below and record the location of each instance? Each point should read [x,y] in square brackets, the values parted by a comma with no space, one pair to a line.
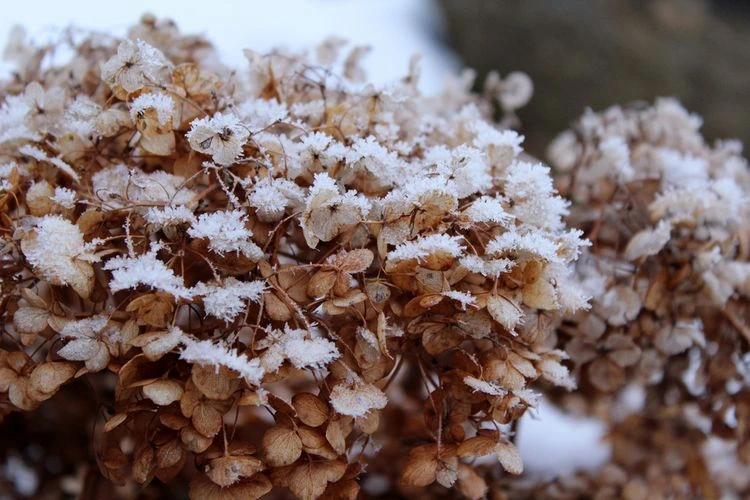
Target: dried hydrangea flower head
[668,269]
[291,279]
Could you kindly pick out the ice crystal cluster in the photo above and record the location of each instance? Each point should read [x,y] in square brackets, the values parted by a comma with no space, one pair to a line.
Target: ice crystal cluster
[282,280]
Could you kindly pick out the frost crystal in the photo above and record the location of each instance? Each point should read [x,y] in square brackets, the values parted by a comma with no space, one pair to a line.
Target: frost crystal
[161,103]
[300,347]
[148,270]
[484,386]
[271,197]
[488,210]
[168,216]
[222,136]
[56,248]
[358,399]
[226,232]
[64,197]
[428,245]
[227,300]
[530,245]
[464,298]
[206,352]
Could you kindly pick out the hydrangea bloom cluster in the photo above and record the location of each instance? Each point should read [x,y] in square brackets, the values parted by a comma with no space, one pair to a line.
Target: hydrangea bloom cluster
[668,268]
[276,278]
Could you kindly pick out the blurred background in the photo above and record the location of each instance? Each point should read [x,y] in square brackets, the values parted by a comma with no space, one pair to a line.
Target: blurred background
[579,53]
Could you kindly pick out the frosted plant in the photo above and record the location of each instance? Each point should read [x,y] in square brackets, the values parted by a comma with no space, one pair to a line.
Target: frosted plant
[204,352]
[666,214]
[227,300]
[146,269]
[221,136]
[161,103]
[357,400]
[136,65]
[286,277]
[64,197]
[57,250]
[300,347]
[226,232]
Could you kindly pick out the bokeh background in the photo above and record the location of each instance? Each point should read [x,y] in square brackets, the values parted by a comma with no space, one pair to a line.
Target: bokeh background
[579,53]
[583,53]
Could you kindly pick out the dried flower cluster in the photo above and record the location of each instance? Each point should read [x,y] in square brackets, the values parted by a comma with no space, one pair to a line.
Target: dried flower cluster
[252,270]
[285,280]
[668,269]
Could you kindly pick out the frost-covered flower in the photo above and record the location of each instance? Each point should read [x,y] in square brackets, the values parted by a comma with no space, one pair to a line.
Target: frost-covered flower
[424,246]
[169,215]
[136,65]
[648,241]
[463,298]
[483,386]
[339,252]
[328,211]
[261,113]
[271,197]
[14,126]
[528,245]
[45,106]
[488,210]
[222,136]
[64,197]
[94,340]
[162,104]
[119,186]
[56,248]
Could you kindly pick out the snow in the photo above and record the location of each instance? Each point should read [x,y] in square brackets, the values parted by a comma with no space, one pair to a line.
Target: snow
[227,301]
[555,443]
[206,352]
[422,247]
[147,269]
[357,400]
[226,232]
[162,103]
[64,197]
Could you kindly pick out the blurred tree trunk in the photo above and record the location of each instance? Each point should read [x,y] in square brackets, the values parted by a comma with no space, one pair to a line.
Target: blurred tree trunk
[595,53]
